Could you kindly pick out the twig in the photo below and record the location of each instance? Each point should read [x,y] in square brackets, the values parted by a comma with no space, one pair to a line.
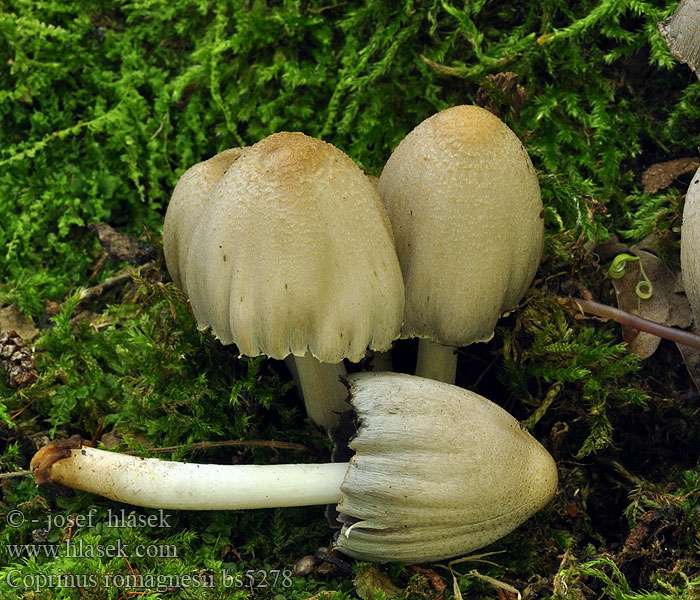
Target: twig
[321,9]
[680,336]
[620,470]
[98,290]
[552,393]
[254,443]
[15,474]
[100,263]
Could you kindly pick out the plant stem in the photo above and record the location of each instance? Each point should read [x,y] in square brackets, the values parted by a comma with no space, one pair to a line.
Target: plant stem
[155,483]
[540,411]
[325,395]
[227,443]
[436,361]
[680,336]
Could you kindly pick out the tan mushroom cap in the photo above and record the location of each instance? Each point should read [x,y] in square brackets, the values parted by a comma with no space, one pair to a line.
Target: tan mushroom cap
[438,471]
[690,245]
[293,253]
[465,207]
[186,207]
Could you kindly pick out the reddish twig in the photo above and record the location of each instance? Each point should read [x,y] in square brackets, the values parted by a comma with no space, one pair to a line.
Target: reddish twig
[680,336]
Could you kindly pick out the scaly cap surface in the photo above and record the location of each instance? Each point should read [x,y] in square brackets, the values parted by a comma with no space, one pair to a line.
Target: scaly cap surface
[464,203]
[186,207]
[293,252]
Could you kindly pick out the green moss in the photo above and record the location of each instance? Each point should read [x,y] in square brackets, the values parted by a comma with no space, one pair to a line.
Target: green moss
[104,104]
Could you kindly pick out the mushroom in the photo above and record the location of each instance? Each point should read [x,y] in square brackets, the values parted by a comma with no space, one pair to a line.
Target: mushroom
[186,205]
[465,208]
[290,251]
[690,246]
[438,471]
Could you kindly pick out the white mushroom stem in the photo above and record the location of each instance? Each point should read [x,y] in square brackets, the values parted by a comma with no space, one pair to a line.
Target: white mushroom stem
[436,362]
[325,396]
[155,483]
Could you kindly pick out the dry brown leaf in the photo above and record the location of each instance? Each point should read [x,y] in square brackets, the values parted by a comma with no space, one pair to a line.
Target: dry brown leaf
[661,175]
[372,580]
[610,248]
[667,304]
[11,319]
[123,247]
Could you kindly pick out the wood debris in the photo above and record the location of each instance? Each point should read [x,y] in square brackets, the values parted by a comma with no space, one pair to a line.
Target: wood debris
[16,358]
[661,175]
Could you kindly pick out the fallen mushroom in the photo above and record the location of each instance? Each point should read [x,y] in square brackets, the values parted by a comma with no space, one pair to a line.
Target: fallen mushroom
[690,245]
[286,248]
[465,207]
[429,479]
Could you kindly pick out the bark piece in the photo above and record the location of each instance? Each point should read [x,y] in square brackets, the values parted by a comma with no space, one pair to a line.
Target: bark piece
[661,175]
[122,247]
[16,359]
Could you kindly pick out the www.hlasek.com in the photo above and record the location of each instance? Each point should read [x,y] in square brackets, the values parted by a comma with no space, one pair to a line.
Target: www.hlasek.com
[271,578]
[78,549]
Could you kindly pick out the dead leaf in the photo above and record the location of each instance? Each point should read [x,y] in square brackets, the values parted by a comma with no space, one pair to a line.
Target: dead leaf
[610,248]
[123,247]
[11,319]
[435,580]
[661,175]
[681,32]
[667,304]
[111,439]
[371,580]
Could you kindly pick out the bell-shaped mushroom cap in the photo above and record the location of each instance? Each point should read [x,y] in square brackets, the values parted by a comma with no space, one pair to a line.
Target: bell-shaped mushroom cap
[464,204]
[690,245]
[293,253]
[439,471]
[186,207]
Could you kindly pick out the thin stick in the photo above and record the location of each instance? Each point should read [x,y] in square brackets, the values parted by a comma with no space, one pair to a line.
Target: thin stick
[121,277]
[253,443]
[15,474]
[532,420]
[680,336]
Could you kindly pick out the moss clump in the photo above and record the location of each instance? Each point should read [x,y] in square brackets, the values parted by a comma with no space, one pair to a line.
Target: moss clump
[104,105]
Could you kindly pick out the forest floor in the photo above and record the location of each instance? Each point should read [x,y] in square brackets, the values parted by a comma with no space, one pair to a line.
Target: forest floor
[103,105]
